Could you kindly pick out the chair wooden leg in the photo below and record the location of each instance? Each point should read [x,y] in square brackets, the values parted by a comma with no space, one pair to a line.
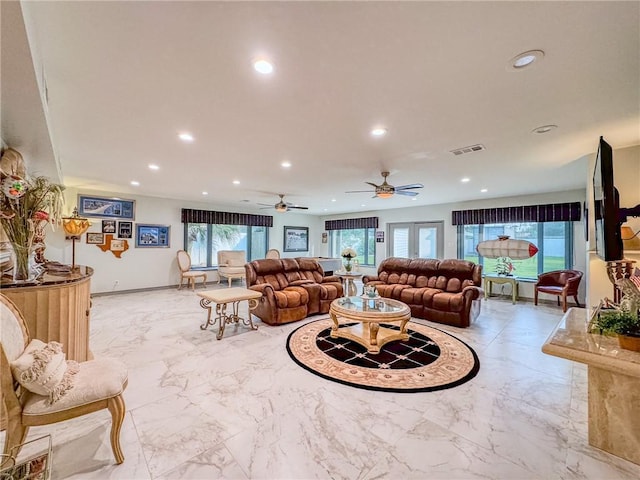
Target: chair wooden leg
[117,409]
[535,296]
[564,303]
[558,300]
[15,435]
[575,297]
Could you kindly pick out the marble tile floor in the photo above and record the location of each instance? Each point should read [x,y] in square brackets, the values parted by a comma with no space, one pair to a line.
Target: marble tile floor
[240,408]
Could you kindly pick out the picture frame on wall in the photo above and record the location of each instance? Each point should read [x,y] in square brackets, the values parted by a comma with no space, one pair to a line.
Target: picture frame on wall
[296,239]
[152,235]
[108,226]
[104,207]
[95,238]
[125,229]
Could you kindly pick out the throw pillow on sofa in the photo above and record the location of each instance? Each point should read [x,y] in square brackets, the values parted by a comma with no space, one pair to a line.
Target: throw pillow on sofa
[43,369]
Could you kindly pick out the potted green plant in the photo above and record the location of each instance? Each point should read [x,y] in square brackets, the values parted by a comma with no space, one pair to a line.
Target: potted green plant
[624,324]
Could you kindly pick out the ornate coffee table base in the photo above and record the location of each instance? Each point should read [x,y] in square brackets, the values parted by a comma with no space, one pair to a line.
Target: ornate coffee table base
[371,336]
[222,299]
[368,315]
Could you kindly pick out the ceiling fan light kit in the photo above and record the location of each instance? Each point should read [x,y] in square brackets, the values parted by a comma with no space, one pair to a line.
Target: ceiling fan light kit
[384,190]
[283,206]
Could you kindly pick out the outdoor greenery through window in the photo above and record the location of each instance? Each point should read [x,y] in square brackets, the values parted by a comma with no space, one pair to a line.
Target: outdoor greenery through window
[202,242]
[553,239]
[362,240]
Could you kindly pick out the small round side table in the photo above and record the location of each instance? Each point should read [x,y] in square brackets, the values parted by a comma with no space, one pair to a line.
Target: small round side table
[347,282]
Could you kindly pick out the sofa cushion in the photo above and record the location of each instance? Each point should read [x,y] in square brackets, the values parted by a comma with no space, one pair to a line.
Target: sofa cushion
[418,296]
[448,302]
[291,297]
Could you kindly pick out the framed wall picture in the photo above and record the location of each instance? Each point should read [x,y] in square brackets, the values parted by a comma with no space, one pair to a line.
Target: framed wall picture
[296,239]
[152,235]
[94,238]
[108,226]
[125,229]
[104,207]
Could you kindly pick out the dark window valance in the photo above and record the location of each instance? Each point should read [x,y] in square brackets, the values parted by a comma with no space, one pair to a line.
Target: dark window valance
[351,223]
[226,218]
[552,212]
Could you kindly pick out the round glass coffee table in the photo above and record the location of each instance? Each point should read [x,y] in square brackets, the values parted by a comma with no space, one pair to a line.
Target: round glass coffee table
[369,313]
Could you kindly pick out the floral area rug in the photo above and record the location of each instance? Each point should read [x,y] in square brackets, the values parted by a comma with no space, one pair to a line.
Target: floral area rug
[430,360]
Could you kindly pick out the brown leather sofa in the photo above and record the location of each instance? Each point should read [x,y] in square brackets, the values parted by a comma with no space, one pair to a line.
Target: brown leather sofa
[444,291]
[292,289]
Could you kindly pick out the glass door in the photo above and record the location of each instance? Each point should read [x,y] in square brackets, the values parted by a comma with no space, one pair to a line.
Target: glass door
[416,240]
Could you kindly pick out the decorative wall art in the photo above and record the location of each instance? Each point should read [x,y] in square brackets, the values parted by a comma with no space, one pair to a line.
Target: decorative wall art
[152,235]
[108,226]
[296,239]
[104,207]
[95,238]
[379,236]
[114,246]
[125,230]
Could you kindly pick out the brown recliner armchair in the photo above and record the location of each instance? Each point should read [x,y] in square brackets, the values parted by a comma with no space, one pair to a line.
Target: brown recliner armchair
[562,283]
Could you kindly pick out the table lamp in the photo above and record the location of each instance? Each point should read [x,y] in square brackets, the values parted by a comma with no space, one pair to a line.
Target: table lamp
[74,226]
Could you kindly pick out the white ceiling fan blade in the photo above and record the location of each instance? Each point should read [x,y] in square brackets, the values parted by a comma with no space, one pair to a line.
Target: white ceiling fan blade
[359,191]
[407,193]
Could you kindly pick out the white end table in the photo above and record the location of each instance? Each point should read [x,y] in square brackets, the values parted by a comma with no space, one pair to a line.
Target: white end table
[350,289]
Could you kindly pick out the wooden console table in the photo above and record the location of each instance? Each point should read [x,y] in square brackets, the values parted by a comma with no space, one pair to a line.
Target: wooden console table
[614,383]
[56,307]
[489,280]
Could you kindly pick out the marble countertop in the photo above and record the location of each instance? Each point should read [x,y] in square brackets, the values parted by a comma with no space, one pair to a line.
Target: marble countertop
[50,277]
[570,340]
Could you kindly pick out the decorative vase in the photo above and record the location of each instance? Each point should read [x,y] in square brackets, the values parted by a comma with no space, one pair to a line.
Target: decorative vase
[629,342]
[347,265]
[22,271]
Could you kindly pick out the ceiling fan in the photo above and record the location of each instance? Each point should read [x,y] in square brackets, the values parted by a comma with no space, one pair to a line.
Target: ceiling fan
[386,191]
[283,206]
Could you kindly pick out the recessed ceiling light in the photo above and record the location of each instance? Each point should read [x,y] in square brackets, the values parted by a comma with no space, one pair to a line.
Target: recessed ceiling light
[333,199]
[465,179]
[186,137]
[236,182]
[414,199]
[324,209]
[544,129]
[153,167]
[379,132]
[205,193]
[525,59]
[263,66]
[362,205]
[285,164]
[135,183]
[484,190]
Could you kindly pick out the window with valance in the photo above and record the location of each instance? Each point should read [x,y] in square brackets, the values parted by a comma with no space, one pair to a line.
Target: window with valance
[207,231]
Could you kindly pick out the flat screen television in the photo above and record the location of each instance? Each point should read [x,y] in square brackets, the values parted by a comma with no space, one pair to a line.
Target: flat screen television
[607,206]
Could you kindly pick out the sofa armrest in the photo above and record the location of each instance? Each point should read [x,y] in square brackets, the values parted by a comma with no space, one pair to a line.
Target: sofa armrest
[472,292]
[370,278]
[262,288]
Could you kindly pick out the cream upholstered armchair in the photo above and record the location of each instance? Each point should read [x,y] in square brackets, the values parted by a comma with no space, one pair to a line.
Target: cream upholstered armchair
[64,389]
[231,264]
[184,264]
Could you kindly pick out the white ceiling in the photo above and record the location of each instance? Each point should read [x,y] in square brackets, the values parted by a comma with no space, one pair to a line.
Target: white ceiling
[124,78]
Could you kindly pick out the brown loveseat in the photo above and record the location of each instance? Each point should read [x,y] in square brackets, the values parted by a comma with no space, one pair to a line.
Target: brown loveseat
[292,289]
[444,291]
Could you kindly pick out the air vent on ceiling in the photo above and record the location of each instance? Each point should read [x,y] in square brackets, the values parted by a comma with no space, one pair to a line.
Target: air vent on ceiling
[470,149]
